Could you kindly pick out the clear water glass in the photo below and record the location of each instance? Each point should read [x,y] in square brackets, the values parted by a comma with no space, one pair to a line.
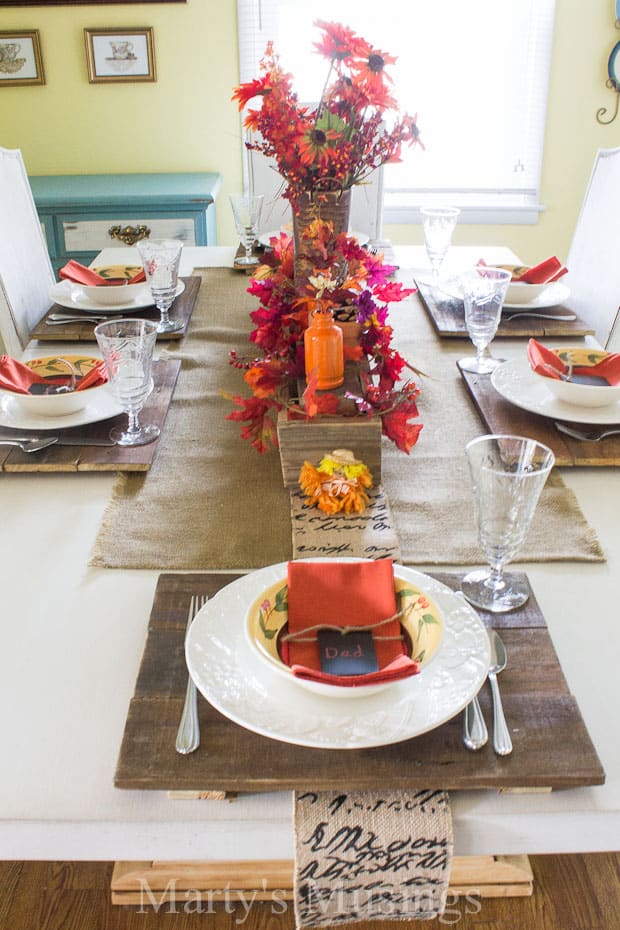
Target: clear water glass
[127,348]
[160,259]
[483,289]
[247,209]
[438,225]
[508,474]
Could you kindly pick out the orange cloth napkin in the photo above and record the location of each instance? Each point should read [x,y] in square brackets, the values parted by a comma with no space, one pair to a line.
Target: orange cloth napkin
[19,378]
[80,274]
[545,362]
[543,273]
[344,594]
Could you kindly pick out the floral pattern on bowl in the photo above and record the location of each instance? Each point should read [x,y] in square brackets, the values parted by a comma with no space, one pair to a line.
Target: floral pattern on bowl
[267,621]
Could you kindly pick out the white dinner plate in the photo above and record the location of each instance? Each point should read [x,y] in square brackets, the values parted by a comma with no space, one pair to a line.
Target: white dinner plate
[554,294]
[517,383]
[101,407]
[227,672]
[70,295]
[264,238]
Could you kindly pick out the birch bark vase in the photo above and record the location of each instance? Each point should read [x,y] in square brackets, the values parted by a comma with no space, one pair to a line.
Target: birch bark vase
[330,206]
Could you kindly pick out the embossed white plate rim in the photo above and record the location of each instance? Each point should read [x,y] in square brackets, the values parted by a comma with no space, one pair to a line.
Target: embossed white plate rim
[101,407]
[67,294]
[518,384]
[230,676]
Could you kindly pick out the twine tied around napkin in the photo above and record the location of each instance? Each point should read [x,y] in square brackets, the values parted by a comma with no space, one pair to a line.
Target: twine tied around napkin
[356,596]
[17,377]
[546,362]
[362,856]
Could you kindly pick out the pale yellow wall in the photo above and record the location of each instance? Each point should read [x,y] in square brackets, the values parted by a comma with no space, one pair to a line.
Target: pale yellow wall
[186,121]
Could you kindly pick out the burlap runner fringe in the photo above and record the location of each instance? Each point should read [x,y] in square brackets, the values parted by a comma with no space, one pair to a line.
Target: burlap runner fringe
[211,502]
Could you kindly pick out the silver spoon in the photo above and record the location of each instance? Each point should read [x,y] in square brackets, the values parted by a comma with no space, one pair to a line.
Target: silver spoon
[475,733]
[30,445]
[502,743]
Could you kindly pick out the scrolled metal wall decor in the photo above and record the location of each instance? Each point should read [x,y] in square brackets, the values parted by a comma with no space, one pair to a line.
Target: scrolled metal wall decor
[613,72]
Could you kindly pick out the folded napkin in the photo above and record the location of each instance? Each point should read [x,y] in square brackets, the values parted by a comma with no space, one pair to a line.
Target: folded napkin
[19,378]
[80,274]
[543,273]
[344,594]
[546,362]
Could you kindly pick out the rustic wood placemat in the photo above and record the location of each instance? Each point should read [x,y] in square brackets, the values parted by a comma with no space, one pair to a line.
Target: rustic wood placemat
[182,309]
[85,457]
[500,416]
[552,747]
[448,318]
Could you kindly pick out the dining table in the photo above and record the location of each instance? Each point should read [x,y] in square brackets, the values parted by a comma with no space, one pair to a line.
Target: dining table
[72,636]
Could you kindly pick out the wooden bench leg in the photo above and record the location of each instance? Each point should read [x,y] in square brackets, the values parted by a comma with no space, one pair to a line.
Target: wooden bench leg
[153,884]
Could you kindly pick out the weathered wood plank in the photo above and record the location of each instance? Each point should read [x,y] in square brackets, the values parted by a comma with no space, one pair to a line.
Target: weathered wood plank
[88,458]
[500,416]
[552,747]
[182,309]
[448,318]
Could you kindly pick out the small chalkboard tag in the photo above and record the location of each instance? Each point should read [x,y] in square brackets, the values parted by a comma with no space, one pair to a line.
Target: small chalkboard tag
[351,653]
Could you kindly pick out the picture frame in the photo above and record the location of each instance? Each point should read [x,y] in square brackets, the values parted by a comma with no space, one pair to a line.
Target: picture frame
[21,62]
[120,55]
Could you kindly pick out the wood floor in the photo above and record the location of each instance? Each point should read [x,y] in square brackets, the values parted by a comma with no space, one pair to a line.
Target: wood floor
[571,893]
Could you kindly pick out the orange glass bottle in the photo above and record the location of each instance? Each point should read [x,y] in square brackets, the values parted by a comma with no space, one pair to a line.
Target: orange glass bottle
[323,350]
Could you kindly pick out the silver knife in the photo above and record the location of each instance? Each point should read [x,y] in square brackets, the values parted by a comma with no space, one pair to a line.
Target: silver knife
[61,440]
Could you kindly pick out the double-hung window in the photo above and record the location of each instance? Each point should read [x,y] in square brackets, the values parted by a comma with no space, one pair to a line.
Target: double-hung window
[476,74]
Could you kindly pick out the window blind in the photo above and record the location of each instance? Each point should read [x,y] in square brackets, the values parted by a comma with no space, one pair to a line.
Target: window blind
[476,74]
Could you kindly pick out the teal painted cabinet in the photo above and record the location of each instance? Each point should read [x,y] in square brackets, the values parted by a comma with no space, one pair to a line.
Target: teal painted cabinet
[82,214]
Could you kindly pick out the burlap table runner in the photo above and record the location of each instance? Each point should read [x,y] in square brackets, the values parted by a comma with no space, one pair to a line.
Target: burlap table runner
[363,856]
[210,501]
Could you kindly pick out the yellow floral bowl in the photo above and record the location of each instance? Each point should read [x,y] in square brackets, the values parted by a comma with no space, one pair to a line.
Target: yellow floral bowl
[63,404]
[518,291]
[267,622]
[114,294]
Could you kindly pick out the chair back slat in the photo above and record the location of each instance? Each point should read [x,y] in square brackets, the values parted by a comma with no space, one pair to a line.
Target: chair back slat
[26,273]
[594,257]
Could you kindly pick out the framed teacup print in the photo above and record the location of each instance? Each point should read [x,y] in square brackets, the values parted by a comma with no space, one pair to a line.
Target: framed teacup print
[20,58]
[115,55]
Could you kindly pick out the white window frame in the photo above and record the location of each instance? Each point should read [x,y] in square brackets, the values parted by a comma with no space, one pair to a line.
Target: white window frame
[500,205]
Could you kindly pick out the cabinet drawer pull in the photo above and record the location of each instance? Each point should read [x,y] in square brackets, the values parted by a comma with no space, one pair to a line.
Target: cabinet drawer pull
[129,234]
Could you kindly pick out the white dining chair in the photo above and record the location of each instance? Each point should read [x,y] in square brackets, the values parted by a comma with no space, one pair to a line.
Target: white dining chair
[26,273]
[593,264]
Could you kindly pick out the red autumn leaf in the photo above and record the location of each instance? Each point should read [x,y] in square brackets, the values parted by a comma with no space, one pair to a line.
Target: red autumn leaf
[397,428]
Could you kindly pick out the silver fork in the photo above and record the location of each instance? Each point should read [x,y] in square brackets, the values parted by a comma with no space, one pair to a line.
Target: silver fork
[588,435]
[517,314]
[188,733]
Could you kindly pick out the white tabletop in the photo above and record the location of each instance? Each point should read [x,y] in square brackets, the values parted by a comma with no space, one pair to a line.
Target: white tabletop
[71,638]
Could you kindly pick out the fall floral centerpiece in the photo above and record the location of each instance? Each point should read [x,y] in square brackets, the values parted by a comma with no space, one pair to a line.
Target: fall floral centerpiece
[321,153]
[337,144]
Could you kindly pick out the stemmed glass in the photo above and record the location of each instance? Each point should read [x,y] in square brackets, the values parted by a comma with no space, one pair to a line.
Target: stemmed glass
[508,473]
[484,289]
[438,224]
[160,260]
[246,211]
[127,349]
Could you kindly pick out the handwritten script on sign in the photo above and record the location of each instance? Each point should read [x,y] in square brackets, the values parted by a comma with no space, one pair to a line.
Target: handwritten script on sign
[371,856]
[369,535]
